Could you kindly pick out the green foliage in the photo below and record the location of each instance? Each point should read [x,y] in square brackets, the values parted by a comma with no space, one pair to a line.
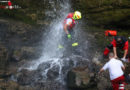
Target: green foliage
[105,13]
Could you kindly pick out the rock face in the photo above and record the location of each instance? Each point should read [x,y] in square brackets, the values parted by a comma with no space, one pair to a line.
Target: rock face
[18,44]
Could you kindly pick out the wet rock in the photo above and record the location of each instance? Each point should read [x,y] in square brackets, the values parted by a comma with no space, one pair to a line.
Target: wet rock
[11,85]
[28,77]
[5,74]
[41,22]
[79,60]
[53,73]
[43,66]
[18,28]
[17,54]
[4,56]
[68,64]
[79,78]
[24,53]
[33,16]
[28,52]
[104,83]
[49,85]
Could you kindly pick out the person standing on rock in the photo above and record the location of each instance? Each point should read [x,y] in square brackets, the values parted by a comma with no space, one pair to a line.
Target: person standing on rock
[69,22]
[115,68]
[121,43]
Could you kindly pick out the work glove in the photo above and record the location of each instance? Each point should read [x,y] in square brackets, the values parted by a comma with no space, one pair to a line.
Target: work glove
[75,44]
[69,36]
[123,59]
[60,46]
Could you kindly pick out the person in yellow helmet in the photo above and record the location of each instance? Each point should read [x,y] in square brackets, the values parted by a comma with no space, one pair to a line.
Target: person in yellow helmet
[69,22]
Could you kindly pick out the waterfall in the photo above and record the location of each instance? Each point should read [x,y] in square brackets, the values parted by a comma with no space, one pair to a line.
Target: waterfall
[53,37]
[52,64]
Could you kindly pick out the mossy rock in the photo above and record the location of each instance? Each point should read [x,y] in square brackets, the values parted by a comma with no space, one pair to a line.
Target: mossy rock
[105,13]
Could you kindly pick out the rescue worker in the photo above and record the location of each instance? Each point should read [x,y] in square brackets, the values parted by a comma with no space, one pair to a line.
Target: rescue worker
[121,43]
[115,68]
[69,22]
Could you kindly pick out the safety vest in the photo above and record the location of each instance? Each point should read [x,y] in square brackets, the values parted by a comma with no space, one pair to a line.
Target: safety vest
[70,15]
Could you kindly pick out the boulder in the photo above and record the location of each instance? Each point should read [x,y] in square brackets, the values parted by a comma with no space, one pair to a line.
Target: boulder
[103,82]
[80,78]
[53,73]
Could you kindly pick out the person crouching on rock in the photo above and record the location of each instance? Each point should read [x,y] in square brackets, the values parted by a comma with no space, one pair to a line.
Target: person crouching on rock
[121,43]
[115,68]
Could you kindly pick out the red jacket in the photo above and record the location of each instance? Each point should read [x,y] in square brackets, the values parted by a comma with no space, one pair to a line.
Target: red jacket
[70,15]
